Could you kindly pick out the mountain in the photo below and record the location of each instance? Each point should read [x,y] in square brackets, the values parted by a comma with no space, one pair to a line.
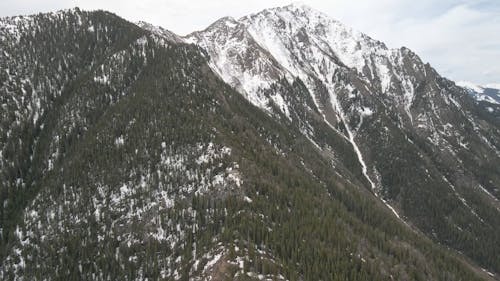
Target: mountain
[425,148]
[283,146]
[489,93]
[488,97]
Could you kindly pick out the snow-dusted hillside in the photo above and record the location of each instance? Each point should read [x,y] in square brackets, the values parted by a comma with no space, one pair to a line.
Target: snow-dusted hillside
[283,145]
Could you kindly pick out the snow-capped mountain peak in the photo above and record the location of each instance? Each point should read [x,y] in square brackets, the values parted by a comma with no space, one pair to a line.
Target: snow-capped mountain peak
[238,59]
[297,42]
[309,26]
[224,23]
[489,93]
[472,86]
[160,31]
[350,78]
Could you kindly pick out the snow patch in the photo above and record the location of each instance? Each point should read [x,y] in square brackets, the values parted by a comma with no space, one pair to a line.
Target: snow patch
[470,86]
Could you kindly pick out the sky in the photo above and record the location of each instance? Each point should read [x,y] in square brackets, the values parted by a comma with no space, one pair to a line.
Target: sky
[460,38]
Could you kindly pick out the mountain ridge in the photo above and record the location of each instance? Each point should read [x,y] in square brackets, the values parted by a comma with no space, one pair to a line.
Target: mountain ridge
[299,40]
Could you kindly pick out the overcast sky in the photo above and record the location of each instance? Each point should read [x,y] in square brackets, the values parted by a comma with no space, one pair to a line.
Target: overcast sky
[461,38]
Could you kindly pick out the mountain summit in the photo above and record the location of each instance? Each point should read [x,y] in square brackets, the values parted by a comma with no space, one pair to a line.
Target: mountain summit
[282,146]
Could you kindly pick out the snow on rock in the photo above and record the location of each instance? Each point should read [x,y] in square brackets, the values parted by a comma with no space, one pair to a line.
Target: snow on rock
[295,41]
[214,259]
[469,85]
[120,141]
[160,32]
[238,59]
[489,93]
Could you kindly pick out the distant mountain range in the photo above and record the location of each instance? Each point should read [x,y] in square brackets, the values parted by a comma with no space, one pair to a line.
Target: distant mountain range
[283,145]
[487,96]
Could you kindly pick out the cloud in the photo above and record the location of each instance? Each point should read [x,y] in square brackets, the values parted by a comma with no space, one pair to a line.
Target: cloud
[460,38]
[462,42]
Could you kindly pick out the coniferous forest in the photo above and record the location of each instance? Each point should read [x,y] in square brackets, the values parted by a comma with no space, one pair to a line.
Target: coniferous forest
[124,156]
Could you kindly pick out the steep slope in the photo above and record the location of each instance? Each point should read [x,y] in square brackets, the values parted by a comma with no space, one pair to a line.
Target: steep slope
[142,163]
[40,64]
[423,145]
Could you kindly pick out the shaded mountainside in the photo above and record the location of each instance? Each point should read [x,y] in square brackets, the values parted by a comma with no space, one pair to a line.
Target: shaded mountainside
[124,156]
